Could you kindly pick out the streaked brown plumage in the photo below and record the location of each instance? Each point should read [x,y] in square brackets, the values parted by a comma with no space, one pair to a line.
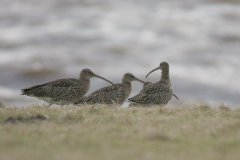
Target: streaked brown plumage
[109,94]
[63,91]
[158,93]
[131,104]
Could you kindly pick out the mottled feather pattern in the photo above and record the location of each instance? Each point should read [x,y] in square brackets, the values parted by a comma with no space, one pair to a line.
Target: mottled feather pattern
[109,95]
[156,93]
[61,91]
[134,103]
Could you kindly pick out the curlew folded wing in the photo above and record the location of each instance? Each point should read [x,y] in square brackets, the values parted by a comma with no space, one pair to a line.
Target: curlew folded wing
[156,93]
[55,88]
[105,95]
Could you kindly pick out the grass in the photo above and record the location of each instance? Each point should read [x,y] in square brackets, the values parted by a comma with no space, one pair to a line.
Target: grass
[186,132]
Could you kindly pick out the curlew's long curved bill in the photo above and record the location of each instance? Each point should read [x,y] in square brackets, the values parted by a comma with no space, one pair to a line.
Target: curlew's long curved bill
[140,81]
[152,71]
[175,96]
[97,76]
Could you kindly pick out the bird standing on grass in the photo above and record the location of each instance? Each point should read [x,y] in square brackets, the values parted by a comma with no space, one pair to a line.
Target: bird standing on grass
[158,93]
[132,104]
[109,94]
[144,85]
[63,91]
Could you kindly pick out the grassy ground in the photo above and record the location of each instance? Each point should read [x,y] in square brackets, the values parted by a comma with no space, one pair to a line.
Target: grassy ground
[187,132]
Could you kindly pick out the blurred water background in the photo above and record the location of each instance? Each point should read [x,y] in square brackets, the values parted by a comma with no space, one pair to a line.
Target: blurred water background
[41,41]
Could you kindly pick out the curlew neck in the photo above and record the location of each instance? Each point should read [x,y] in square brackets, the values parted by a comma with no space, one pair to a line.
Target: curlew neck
[86,82]
[165,75]
[127,83]
[84,78]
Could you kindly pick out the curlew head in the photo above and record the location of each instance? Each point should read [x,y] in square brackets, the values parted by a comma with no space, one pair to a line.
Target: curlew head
[87,73]
[128,77]
[163,66]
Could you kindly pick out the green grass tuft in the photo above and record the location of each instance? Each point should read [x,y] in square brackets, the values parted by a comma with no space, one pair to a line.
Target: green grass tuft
[187,132]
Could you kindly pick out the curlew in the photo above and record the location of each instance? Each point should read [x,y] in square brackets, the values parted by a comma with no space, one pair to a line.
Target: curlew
[63,91]
[132,104]
[109,94]
[158,93]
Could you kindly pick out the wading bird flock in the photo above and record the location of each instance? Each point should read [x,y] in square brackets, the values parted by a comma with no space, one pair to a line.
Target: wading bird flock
[72,90]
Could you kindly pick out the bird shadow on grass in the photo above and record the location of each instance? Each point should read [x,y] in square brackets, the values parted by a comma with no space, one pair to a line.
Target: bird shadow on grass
[38,117]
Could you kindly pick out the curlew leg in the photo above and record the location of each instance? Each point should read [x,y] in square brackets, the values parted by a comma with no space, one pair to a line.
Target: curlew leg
[175,96]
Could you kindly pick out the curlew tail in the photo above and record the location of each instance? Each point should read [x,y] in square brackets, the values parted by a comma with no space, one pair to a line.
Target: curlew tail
[31,91]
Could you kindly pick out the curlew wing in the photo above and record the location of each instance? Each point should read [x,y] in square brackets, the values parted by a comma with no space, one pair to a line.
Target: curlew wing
[105,95]
[57,88]
[156,93]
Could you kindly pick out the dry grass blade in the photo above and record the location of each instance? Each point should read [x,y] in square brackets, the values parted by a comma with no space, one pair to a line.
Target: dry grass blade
[190,132]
